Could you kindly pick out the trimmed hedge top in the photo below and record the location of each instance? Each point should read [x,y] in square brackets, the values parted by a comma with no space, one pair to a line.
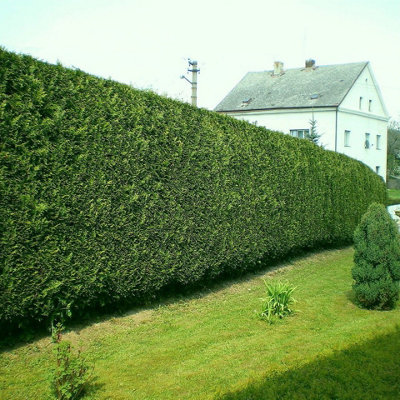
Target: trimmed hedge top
[108,193]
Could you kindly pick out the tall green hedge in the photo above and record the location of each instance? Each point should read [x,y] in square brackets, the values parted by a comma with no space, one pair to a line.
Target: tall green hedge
[108,194]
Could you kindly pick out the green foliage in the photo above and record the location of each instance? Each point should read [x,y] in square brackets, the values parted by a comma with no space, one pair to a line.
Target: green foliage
[313,136]
[393,148]
[278,301]
[109,194]
[72,373]
[376,270]
[154,353]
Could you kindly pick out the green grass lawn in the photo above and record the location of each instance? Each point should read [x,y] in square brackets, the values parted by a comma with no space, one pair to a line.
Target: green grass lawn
[393,196]
[212,345]
[393,193]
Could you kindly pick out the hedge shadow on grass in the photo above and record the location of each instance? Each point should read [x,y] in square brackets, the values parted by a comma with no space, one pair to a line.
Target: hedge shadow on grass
[171,294]
[364,371]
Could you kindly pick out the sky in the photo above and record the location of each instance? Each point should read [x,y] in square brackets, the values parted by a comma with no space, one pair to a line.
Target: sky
[147,43]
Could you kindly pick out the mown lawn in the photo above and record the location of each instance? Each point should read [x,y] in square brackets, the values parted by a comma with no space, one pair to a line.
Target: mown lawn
[212,345]
[393,193]
[393,196]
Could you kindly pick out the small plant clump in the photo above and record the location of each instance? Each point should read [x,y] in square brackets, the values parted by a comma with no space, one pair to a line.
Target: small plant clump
[278,301]
[376,270]
[72,373]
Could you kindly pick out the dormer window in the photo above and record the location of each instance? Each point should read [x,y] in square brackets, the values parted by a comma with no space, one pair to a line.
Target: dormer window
[246,102]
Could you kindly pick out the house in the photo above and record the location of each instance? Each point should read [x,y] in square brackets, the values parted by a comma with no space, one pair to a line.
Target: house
[343,101]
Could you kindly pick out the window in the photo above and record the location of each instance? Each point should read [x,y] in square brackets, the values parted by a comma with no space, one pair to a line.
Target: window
[367,144]
[346,138]
[360,103]
[377,169]
[369,105]
[246,102]
[378,142]
[299,133]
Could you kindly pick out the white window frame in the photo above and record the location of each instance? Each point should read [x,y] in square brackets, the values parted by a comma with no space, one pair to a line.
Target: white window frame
[378,142]
[347,138]
[367,142]
[299,133]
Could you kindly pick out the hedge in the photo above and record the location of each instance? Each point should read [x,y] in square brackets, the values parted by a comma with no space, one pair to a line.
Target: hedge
[109,194]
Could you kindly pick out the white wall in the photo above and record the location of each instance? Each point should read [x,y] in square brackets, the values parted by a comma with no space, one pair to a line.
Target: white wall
[364,118]
[285,120]
[365,87]
[359,125]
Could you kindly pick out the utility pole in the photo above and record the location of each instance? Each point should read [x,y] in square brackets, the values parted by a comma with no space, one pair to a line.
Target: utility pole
[194,70]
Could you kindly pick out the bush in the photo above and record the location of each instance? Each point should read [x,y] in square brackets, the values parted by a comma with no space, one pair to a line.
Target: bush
[109,194]
[71,373]
[376,270]
[278,301]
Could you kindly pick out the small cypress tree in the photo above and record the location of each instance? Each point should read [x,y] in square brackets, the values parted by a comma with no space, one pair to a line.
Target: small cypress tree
[376,270]
[313,135]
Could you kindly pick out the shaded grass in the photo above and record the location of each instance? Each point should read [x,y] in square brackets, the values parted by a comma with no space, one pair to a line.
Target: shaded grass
[369,370]
[393,197]
[393,193]
[213,342]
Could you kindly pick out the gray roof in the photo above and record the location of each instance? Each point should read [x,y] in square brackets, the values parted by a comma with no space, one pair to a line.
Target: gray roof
[320,86]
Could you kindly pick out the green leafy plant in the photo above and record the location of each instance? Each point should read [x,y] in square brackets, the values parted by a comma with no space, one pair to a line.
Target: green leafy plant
[376,270]
[71,373]
[278,302]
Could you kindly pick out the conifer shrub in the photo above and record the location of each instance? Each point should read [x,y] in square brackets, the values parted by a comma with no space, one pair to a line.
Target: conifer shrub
[109,194]
[376,270]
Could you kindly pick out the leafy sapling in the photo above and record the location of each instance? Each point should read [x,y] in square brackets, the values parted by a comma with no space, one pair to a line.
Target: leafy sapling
[71,373]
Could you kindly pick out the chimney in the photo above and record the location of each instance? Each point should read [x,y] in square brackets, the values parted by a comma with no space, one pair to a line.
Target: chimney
[310,63]
[278,68]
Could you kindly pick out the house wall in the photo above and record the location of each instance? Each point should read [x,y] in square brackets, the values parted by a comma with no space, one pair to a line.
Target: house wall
[366,116]
[285,120]
[358,126]
[366,88]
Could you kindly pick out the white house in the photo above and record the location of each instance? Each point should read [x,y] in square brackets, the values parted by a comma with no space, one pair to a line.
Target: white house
[344,100]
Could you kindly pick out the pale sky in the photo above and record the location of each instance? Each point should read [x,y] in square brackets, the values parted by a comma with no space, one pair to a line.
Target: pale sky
[146,43]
